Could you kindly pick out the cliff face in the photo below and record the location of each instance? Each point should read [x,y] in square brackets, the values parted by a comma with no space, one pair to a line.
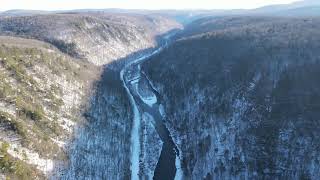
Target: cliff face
[242,101]
[99,38]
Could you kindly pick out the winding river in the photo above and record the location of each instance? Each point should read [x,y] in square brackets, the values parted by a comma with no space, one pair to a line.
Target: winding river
[145,99]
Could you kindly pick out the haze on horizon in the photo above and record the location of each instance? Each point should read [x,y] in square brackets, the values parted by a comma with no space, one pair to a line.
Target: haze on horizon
[136,4]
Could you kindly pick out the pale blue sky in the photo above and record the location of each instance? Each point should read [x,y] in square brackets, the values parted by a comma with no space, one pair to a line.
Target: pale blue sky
[136,4]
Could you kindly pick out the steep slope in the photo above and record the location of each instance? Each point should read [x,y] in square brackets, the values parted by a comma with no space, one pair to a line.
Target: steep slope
[97,37]
[243,101]
[101,148]
[41,93]
[46,93]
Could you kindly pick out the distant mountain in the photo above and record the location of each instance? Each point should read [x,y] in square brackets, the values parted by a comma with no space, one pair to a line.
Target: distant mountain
[306,3]
[301,11]
[305,7]
[299,8]
[22,12]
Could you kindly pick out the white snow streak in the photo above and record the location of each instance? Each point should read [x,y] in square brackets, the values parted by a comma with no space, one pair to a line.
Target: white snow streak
[161,110]
[179,173]
[150,100]
[135,138]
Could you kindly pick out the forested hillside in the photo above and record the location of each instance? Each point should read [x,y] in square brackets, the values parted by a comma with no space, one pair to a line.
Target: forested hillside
[41,94]
[98,37]
[53,99]
[242,97]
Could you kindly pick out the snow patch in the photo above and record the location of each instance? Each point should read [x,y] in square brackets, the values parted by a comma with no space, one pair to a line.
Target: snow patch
[66,124]
[161,110]
[179,173]
[59,143]
[150,100]
[24,154]
[8,108]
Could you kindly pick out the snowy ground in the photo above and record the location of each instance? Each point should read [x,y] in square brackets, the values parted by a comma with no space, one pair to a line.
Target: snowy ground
[45,165]
[179,173]
[135,137]
[150,100]
[145,93]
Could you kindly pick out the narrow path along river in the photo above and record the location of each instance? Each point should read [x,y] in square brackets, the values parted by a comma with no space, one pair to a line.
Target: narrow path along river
[145,99]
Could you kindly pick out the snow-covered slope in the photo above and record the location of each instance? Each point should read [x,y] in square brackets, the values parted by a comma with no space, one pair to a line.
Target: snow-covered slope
[242,99]
[41,94]
[98,37]
[47,91]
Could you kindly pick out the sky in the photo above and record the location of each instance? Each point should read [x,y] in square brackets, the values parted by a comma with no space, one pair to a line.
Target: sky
[136,4]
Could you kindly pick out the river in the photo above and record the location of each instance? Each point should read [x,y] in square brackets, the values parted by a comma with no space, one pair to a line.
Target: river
[145,99]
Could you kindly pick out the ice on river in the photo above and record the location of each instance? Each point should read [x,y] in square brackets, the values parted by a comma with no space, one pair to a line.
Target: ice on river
[179,172]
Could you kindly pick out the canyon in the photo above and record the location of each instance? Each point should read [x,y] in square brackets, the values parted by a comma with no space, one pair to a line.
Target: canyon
[138,94]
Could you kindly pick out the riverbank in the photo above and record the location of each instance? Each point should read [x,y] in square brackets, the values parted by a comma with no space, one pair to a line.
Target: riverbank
[144,100]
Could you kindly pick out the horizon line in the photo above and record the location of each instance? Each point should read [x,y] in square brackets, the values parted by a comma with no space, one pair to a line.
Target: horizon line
[144,9]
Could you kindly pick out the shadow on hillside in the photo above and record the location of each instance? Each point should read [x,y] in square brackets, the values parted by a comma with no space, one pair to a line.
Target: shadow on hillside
[101,147]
